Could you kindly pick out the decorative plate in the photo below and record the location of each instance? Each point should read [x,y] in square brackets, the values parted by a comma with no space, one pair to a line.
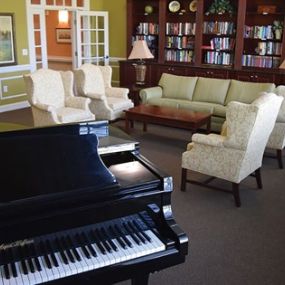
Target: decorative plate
[174,6]
[193,6]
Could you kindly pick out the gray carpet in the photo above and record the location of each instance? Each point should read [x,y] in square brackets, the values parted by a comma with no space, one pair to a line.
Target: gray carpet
[228,245]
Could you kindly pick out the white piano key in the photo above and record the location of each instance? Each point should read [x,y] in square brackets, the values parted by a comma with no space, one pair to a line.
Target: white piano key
[42,273]
[63,269]
[15,280]
[102,258]
[159,245]
[86,264]
[24,277]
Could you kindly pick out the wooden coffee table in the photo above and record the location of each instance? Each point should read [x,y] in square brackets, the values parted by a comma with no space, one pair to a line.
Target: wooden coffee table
[167,116]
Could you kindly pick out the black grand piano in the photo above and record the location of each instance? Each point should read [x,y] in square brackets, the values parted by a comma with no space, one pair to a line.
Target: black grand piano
[73,211]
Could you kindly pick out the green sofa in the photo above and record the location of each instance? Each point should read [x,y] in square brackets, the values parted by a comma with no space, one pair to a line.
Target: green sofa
[203,94]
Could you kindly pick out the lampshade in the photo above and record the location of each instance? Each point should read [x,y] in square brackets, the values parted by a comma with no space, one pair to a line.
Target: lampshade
[282,65]
[140,50]
[62,16]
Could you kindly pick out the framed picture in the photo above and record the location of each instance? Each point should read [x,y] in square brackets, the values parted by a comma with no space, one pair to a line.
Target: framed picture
[63,35]
[7,40]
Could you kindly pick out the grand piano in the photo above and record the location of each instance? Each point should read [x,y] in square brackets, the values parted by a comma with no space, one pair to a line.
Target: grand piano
[79,206]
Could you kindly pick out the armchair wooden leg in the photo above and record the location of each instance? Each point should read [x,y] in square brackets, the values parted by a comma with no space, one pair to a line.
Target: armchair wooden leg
[258,178]
[235,189]
[183,179]
[279,158]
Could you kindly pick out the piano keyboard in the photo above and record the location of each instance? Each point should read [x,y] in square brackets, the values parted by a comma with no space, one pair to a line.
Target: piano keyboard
[65,253]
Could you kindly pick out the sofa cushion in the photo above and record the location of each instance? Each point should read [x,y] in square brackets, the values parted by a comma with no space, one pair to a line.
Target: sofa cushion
[215,109]
[179,87]
[163,102]
[247,92]
[211,90]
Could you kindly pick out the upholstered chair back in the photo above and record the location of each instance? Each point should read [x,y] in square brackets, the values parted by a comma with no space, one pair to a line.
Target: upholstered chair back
[45,86]
[106,71]
[249,127]
[90,80]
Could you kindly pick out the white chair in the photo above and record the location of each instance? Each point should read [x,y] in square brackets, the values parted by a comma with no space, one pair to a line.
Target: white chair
[238,151]
[107,102]
[277,138]
[50,94]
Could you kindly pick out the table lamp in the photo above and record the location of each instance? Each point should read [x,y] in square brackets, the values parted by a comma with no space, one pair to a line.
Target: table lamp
[282,65]
[140,51]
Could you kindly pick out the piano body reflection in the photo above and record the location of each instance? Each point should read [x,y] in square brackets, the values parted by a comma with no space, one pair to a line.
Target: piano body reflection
[73,212]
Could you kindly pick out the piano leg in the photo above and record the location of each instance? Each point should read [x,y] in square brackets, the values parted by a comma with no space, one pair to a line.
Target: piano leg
[140,280]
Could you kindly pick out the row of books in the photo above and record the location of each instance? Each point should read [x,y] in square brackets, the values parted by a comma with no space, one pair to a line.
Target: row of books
[180,28]
[222,43]
[221,58]
[147,28]
[150,39]
[223,28]
[260,61]
[179,42]
[179,55]
[259,32]
[269,48]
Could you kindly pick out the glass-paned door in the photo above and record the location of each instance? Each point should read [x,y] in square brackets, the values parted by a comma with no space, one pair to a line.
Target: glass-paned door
[37,35]
[92,38]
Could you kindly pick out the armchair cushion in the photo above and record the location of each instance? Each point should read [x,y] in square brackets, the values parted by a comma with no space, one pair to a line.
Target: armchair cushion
[68,114]
[179,87]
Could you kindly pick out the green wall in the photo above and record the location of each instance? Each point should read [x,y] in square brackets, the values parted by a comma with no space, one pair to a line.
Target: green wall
[18,7]
[117,24]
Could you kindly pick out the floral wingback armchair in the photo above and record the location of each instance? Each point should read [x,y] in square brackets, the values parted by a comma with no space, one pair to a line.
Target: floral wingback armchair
[107,102]
[277,138]
[238,152]
[50,94]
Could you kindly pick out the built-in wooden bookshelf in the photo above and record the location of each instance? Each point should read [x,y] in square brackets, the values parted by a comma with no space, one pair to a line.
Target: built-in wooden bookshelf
[237,42]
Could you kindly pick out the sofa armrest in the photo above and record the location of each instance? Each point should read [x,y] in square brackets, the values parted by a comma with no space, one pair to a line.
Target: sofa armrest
[211,139]
[100,97]
[118,92]
[44,107]
[78,102]
[151,92]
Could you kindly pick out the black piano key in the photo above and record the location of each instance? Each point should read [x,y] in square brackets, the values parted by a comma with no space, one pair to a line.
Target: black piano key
[51,252]
[118,238]
[97,242]
[81,241]
[141,231]
[23,260]
[67,249]
[73,248]
[45,255]
[29,260]
[61,252]
[104,232]
[137,232]
[134,237]
[126,240]
[102,239]
[6,271]
[36,259]
[12,264]
[89,246]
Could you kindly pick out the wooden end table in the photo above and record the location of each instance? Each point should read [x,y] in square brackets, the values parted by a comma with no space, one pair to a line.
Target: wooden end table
[167,116]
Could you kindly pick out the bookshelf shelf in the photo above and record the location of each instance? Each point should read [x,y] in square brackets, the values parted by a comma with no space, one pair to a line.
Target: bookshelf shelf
[188,43]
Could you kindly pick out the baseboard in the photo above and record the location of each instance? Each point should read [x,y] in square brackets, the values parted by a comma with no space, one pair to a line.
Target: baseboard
[14,106]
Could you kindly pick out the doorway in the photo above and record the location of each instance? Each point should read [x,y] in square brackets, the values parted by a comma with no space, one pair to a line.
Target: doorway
[85,38]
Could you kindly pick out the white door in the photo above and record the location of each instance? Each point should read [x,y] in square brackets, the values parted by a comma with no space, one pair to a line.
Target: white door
[92,38]
[37,39]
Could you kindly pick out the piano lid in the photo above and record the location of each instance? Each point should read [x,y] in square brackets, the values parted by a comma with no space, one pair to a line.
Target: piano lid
[47,161]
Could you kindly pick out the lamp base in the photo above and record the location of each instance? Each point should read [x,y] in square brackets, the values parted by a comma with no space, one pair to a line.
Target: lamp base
[140,74]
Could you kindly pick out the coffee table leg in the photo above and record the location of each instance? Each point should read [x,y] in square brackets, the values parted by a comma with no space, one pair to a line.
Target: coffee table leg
[127,125]
[209,126]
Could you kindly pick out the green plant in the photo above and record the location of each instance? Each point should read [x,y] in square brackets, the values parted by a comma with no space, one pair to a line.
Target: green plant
[220,7]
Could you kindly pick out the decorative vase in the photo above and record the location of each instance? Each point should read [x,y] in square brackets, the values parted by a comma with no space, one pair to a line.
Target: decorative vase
[278,34]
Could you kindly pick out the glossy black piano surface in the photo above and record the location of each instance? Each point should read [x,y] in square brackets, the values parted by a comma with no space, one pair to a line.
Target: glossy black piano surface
[76,208]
